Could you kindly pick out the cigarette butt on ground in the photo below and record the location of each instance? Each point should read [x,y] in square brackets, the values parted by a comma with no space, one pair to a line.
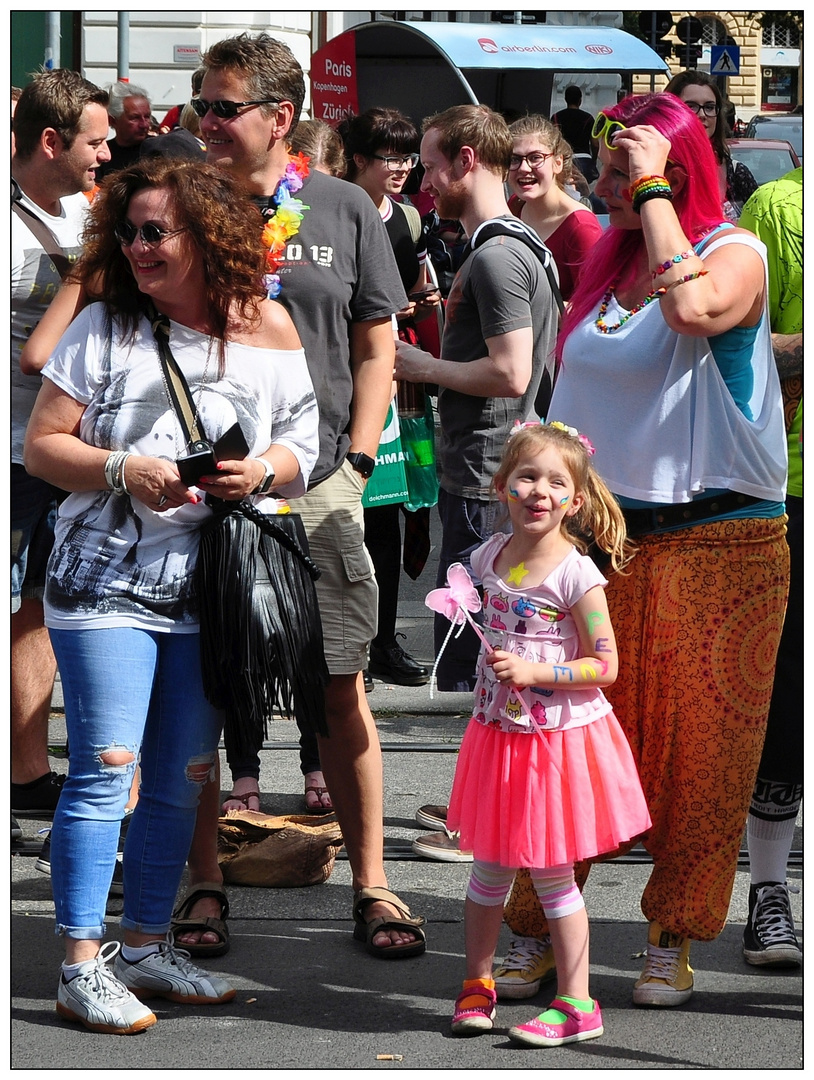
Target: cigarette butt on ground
[390,1057]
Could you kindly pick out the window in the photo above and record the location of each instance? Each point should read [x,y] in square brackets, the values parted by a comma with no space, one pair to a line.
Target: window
[782,36]
[715,33]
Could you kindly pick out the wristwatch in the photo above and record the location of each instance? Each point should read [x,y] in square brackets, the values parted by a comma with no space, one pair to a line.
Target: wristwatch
[362,463]
[267,483]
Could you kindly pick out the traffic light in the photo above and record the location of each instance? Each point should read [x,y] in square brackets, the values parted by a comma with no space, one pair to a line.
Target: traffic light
[664,49]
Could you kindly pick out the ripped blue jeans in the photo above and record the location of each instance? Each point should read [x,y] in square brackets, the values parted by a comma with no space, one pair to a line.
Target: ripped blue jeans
[132,696]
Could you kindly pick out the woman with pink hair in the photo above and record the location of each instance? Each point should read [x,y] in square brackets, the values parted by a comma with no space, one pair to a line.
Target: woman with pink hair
[666,359]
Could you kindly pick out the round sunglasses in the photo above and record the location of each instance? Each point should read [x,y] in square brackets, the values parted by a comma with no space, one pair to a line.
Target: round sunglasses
[605,128]
[151,234]
[225,110]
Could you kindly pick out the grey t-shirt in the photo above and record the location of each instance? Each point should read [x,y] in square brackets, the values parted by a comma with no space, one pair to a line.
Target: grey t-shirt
[339,269]
[501,287]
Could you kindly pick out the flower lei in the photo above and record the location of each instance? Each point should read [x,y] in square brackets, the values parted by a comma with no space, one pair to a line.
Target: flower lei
[286,220]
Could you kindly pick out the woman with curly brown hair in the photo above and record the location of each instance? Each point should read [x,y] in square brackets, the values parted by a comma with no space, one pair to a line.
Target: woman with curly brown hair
[171,248]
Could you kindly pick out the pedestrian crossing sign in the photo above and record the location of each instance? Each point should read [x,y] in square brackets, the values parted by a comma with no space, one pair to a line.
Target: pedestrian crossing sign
[724,60]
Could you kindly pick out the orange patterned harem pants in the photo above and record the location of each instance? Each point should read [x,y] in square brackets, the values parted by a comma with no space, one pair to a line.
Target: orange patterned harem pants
[697,623]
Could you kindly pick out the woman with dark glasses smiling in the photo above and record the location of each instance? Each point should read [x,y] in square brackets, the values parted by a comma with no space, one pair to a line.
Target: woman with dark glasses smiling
[700,93]
[666,358]
[171,249]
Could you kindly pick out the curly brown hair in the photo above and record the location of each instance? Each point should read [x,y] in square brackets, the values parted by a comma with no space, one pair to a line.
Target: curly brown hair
[221,220]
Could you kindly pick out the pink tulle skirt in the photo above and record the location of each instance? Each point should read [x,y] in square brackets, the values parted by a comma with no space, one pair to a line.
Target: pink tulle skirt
[527,800]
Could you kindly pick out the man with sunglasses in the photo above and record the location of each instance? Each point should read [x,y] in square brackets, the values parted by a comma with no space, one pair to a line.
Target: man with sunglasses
[340,283]
[501,322]
[60,132]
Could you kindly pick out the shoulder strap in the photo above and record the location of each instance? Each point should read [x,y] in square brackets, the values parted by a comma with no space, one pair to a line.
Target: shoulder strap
[177,385]
[520,231]
[413,220]
[43,234]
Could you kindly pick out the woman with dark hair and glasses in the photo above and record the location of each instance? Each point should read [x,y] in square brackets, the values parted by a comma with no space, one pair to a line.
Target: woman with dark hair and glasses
[666,358]
[701,93]
[381,150]
[540,161]
[171,248]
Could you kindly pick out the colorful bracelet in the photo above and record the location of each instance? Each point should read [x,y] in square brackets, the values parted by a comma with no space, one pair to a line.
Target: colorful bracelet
[665,266]
[652,193]
[687,277]
[644,182]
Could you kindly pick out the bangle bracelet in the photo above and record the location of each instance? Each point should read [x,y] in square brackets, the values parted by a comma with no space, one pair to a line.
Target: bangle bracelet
[114,471]
[654,193]
[665,266]
[687,277]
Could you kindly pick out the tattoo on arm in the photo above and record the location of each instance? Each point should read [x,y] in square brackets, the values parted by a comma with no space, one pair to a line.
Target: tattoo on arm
[788,354]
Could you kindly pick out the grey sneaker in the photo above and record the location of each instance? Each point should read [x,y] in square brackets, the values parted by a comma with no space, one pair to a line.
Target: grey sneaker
[769,939]
[170,973]
[97,999]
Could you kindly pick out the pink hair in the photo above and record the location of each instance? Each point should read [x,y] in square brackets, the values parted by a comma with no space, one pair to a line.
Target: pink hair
[613,259]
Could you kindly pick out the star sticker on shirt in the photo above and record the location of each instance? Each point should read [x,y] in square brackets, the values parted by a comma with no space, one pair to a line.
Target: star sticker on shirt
[516,574]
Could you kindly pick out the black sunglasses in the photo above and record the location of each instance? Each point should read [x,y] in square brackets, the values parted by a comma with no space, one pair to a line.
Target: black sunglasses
[151,234]
[225,110]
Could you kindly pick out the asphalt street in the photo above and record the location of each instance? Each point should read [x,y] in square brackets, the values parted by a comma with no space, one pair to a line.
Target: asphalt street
[309,997]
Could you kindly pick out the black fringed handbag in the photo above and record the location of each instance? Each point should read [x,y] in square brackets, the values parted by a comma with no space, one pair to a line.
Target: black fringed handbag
[260,630]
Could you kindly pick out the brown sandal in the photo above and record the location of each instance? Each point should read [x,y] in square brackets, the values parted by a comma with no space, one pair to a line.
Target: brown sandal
[366,931]
[319,808]
[244,798]
[183,922]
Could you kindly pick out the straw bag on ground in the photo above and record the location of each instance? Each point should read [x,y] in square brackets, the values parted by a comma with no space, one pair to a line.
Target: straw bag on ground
[282,852]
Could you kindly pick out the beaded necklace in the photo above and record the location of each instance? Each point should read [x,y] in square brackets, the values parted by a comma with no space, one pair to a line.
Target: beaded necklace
[286,220]
[604,328]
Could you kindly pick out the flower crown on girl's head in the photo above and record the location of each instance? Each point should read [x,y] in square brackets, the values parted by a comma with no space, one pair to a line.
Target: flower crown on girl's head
[572,431]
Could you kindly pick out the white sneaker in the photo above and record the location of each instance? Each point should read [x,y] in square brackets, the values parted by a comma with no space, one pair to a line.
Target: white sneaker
[169,973]
[97,999]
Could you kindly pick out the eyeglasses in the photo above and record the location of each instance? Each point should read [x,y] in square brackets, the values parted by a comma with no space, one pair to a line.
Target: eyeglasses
[606,128]
[225,110]
[394,164]
[534,160]
[708,108]
[151,234]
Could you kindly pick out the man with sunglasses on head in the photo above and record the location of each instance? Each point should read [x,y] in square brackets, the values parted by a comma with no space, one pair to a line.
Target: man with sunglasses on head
[501,322]
[338,278]
[60,133]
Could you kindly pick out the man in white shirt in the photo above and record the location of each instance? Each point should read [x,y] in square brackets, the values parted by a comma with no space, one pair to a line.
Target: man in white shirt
[60,132]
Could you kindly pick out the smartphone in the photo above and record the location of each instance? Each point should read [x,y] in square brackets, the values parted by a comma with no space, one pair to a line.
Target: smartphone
[420,294]
[200,461]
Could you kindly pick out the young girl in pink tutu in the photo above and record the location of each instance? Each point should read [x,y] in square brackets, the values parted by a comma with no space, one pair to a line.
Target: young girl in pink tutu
[545,775]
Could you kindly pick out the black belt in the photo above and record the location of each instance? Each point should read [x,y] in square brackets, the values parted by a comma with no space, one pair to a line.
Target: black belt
[670,517]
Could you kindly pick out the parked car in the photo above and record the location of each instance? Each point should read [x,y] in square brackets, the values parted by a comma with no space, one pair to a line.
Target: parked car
[766,159]
[787,126]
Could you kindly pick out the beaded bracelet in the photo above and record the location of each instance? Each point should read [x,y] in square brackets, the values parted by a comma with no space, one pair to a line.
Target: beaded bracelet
[644,182]
[665,266]
[653,193]
[687,277]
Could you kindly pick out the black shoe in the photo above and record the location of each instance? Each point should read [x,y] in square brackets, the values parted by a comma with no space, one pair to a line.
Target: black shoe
[393,665]
[43,863]
[368,680]
[16,831]
[39,798]
[769,939]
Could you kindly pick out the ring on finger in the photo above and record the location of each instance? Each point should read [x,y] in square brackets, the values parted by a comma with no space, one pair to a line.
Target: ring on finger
[162,499]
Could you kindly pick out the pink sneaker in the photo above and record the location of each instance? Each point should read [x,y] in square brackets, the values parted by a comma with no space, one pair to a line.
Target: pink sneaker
[577,1027]
[477,1018]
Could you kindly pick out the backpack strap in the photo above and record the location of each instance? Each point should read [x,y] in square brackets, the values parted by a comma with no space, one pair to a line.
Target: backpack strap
[413,220]
[520,231]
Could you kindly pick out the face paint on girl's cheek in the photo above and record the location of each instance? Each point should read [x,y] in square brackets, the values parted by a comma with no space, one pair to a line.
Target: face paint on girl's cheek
[564,502]
[625,195]
[512,494]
